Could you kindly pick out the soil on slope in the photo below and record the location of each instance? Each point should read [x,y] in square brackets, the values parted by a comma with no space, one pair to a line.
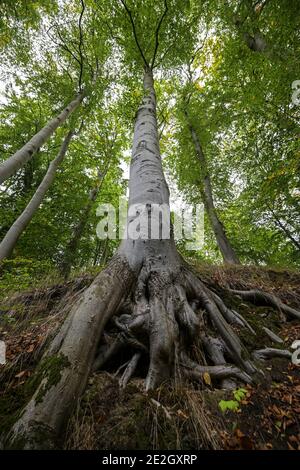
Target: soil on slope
[172,417]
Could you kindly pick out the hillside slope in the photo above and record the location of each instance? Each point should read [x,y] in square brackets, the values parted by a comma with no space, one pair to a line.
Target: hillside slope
[263,415]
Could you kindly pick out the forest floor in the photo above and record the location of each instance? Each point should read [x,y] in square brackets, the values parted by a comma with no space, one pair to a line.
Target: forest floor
[265,415]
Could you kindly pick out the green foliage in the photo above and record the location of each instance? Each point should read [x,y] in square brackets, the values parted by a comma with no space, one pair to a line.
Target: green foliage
[20,273]
[233,405]
[239,394]
[238,100]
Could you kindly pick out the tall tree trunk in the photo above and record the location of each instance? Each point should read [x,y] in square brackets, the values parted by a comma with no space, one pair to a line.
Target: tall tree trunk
[9,241]
[105,253]
[97,252]
[158,319]
[74,347]
[22,156]
[224,245]
[101,252]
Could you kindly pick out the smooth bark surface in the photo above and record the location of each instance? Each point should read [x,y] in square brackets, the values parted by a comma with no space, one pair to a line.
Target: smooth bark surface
[71,354]
[147,184]
[78,338]
[9,241]
[22,156]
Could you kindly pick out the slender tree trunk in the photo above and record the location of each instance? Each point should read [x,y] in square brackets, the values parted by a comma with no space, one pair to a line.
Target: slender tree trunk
[96,253]
[28,178]
[284,229]
[22,156]
[224,245]
[287,233]
[101,252]
[72,246]
[9,241]
[105,252]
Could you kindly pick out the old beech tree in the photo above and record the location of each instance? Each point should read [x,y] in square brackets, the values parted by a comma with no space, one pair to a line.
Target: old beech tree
[160,307]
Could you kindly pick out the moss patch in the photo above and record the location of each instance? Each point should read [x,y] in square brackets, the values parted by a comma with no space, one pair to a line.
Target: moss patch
[48,374]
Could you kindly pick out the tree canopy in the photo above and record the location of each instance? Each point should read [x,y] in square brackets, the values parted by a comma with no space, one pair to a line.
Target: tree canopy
[238,99]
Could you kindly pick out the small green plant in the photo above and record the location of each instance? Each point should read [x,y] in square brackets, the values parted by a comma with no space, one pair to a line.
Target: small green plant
[18,274]
[239,394]
[233,405]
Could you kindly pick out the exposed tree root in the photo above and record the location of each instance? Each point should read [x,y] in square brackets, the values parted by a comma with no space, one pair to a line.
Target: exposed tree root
[130,369]
[269,353]
[216,350]
[163,320]
[194,370]
[231,316]
[258,297]
[63,372]
[107,351]
[273,337]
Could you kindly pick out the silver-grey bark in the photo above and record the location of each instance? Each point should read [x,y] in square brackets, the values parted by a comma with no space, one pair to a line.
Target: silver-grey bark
[9,241]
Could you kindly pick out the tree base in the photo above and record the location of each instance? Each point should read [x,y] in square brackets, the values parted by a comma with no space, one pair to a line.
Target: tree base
[170,326]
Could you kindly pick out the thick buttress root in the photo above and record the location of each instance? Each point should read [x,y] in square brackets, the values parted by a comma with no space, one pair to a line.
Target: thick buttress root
[173,316]
[165,317]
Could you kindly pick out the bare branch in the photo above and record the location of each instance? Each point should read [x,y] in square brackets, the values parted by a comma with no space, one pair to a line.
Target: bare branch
[81,44]
[62,44]
[198,50]
[157,35]
[134,33]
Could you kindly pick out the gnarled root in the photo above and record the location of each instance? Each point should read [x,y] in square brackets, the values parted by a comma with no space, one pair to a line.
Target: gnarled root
[130,369]
[216,350]
[169,311]
[195,371]
[107,351]
[273,337]
[173,312]
[161,314]
[258,297]
[269,353]
[231,316]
